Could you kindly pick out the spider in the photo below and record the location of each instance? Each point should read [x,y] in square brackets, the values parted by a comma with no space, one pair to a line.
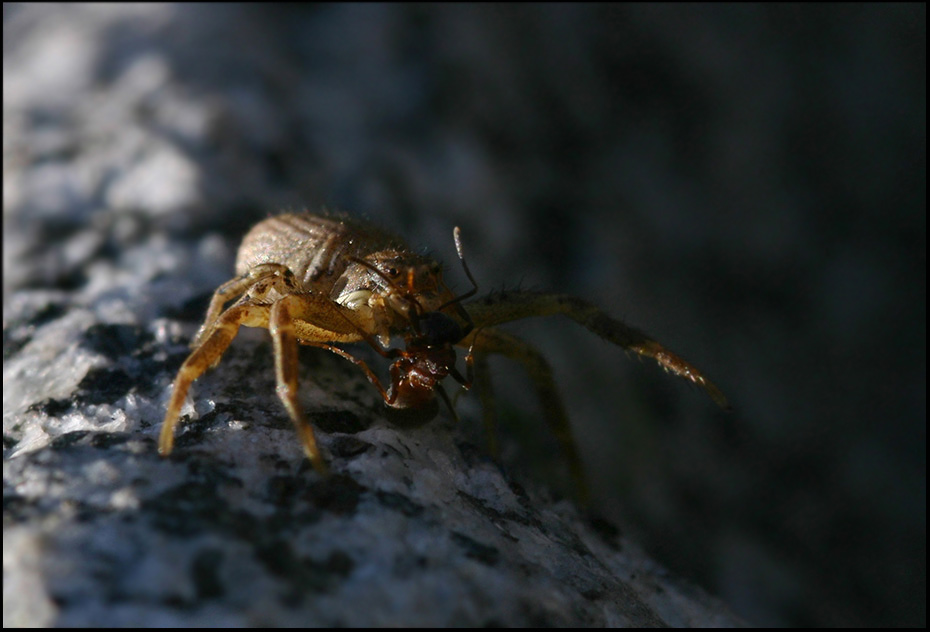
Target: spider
[313,280]
[319,280]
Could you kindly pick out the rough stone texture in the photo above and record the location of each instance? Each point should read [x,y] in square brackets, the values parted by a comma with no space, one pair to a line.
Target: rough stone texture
[413,528]
[746,183]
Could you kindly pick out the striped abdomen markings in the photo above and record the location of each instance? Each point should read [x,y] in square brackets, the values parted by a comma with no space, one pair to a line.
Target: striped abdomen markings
[316,249]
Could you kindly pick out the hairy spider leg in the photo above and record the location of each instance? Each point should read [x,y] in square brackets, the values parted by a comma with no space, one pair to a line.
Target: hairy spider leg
[281,327]
[514,305]
[227,292]
[508,306]
[272,301]
[489,340]
[206,354]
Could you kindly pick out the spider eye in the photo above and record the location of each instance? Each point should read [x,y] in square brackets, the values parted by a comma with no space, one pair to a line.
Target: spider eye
[393,272]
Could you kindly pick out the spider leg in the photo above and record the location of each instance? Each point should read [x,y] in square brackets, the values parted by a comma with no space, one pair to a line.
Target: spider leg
[205,355]
[513,305]
[230,290]
[488,340]
[468,379]
[486,395]
[271,300]
[281,326]
[315,320]
[445,398]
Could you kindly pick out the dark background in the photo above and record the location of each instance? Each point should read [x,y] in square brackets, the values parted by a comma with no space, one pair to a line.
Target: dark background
[745,183]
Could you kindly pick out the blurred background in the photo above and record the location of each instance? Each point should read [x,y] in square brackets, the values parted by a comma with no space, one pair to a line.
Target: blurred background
[746,183]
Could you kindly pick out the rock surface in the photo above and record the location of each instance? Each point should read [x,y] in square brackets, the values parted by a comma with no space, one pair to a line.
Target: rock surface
[746,183]
[414,527]
[103,288]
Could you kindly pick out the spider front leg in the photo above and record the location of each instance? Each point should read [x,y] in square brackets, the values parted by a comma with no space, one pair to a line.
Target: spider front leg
[272,300]
[281,326]
[486,341]
[205,355]
[513,305]
[485,387]
[253,281]
[314,320]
